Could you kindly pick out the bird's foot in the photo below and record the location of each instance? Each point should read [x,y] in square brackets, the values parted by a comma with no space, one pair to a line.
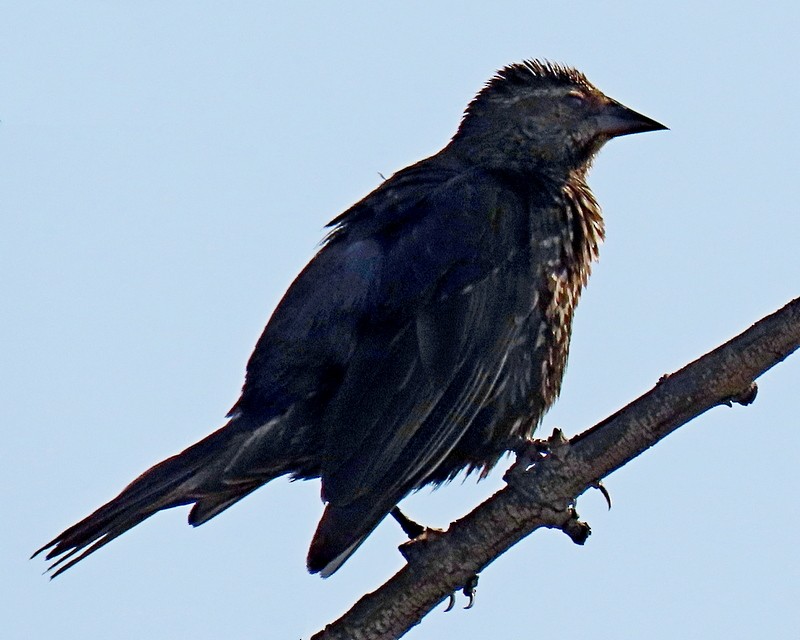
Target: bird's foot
[418,535]
[469,590]
[530,451]
[561,514]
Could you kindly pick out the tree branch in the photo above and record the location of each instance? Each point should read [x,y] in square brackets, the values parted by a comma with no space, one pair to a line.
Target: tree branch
[542,495]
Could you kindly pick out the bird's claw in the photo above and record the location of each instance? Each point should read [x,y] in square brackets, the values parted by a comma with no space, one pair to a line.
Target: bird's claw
[468,590]
[601,488]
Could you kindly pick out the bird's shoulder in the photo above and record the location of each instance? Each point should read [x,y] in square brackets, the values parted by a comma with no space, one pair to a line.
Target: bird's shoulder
[440,215]
[442,189]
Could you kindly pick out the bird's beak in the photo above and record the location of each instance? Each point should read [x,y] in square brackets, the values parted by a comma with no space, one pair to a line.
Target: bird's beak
[617,120]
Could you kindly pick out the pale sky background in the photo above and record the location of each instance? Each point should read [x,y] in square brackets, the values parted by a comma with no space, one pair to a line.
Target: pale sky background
[167,168]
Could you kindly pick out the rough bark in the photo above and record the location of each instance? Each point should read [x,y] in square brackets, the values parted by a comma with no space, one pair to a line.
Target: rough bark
[542,494]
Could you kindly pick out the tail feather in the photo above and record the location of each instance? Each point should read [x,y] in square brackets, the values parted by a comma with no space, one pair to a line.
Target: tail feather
[168,484]
[211,506]
[213,474]
[190,476]
[93,544]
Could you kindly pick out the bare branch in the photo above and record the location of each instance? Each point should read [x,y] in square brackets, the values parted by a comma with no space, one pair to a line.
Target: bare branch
[440,563]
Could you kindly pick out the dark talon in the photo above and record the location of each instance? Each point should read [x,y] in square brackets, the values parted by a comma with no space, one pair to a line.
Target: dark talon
[601,488]
[410,528]
[469,590]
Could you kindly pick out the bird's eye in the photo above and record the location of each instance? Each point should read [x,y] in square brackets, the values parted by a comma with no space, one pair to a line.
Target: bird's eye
[576,98]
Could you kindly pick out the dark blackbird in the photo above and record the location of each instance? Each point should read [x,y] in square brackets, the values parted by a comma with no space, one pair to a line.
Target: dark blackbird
[430,330]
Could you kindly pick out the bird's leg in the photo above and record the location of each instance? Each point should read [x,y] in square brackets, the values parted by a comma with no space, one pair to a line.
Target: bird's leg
[414,530]
[411,528]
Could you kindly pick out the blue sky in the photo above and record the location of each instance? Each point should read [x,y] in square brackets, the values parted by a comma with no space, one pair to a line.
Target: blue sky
[166,170]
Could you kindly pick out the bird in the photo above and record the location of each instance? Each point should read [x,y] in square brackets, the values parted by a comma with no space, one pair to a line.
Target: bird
[430,330]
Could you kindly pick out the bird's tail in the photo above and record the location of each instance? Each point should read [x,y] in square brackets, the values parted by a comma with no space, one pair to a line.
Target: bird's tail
[341,531]
[182,479]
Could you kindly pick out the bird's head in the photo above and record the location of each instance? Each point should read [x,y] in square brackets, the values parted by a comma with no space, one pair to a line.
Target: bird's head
[543,117]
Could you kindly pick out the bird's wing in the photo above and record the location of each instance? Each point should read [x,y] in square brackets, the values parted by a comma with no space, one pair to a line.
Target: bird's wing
[297,365]
[312,331]
[406,402]
[453,296]
[426,365]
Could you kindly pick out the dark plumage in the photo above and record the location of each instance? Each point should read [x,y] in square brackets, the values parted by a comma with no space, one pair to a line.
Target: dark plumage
[431,328]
